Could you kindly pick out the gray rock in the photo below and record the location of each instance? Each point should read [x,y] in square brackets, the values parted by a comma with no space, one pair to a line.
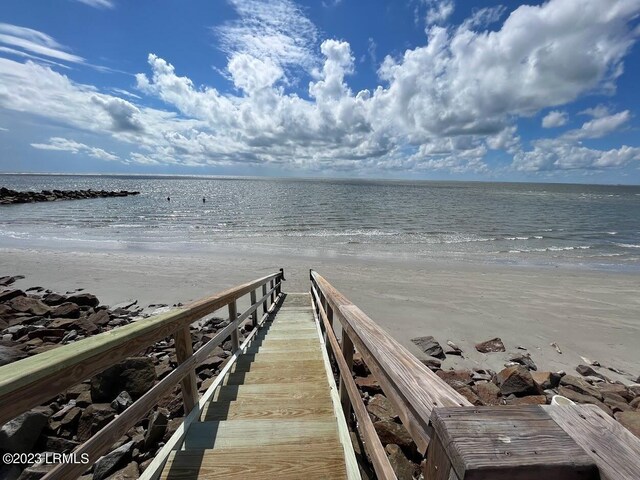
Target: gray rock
[587,371]
[490,346]
[20,434]
[380,407]
[136,375]
[516,380]
[28,305]
[122,402]
[158,422]
[10,354]
[433,363]
[84,300]
[53,299]
[36,472]
[392,432]
[67,310]
[580,386]
[401,465]
[111,461]
[7,295]
[524,359]
[430,346]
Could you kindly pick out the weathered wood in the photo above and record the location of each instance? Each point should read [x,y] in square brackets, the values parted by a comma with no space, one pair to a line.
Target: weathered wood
[34,380]
[412,388]
[614,449]
[272,295]
[367,431]
[233,315]
[347,353]
[438,466]
[188,385]
[264,293]
[254,315]
[509,442]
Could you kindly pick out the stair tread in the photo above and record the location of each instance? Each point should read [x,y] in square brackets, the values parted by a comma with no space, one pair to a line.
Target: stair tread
[303,408]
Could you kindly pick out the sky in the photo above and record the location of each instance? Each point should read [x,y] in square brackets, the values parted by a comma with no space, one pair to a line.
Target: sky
[420,89]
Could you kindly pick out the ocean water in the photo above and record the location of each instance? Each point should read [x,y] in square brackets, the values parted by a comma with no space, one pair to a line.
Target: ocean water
[545,224]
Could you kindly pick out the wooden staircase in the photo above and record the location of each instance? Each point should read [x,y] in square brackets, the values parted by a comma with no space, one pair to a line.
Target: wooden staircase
[275,414]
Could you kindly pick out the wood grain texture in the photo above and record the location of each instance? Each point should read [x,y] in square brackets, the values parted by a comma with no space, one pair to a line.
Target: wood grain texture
[367,431]
[615,450]
[254,315]
[184,350]
[412,388]
[312,461]
[304,408]
[34,380]
[438,466]
[509,442]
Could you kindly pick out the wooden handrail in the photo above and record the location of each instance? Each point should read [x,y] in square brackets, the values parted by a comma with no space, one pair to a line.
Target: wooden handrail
[412,388]
[371,442]
[32,381]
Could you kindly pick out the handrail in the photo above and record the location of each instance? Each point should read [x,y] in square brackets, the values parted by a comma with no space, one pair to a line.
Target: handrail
[32,381]
[372,443]
[412,388]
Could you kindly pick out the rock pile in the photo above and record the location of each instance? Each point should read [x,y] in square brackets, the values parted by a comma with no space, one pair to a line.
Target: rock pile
[11,196]
[519,383]
[37,320]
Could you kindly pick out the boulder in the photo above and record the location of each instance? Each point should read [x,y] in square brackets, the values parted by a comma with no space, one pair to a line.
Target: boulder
[36,472]
[401,465]
[94,417]
[433,363]
[516,380]
[136,375]
[53,299]
[453,349]
[20,434]
[580,386]
[529,400]
[7,295]
[545,380]
[380,407]
[488,393]
[122,402]
[359,367]
[618,389]
[392,432]
[67,309]
[490,346]
[455,377]
[630,420]
[635,403]
[10,355]
[582,398]
[28,305]
[56,444]
[111,461]
[587,371]
[130,472]
[100,318]
[524,359]
[469,394]
[430,346]
[368,384]
[158,422]
[84,300]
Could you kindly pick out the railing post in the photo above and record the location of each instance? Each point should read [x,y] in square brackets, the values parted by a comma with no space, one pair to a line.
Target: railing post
[264,293]
[233,315]
[273,295]
[280,279]
[347,353]
[254,315]
[188,385]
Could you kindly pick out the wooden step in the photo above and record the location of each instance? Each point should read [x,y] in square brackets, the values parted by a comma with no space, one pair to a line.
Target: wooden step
[250,365]
[293,349]
[273,391]
[300,408]
[263,376]
[280,462]
[258,433]
[293,356]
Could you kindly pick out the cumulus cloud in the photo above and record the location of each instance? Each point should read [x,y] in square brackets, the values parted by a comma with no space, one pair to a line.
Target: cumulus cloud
[438,11]
[66,145]
[555,118]
[440,106]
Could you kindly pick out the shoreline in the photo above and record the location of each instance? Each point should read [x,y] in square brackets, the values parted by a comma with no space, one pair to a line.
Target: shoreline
[588,313]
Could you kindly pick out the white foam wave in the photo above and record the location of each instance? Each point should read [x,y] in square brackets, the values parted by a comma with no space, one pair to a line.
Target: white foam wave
[627,245]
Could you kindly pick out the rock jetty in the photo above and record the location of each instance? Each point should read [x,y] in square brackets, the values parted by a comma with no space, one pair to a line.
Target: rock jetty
[8,197]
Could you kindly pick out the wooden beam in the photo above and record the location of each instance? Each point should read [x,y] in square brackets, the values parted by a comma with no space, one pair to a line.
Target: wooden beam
[254,315]
[412,388]
[233,315]
[188,385]
[32,381]
[264,294]
[368,433]
[347,353]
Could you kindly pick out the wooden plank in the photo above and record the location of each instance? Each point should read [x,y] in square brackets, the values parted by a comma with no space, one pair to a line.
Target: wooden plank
[254,315]
[347,353]
[233,315]
[34,380]
[284,462]
[258,433]
[412,388]
[264,302]
[188,385]
[273,391]
[248,365]
[267,408]
[507,442]
[259,377]
[615,450]
[438,466]
[368,433]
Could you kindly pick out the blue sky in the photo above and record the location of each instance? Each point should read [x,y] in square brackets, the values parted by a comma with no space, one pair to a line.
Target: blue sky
[434,89]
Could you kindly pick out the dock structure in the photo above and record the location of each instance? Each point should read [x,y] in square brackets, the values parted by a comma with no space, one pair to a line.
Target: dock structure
[282,405]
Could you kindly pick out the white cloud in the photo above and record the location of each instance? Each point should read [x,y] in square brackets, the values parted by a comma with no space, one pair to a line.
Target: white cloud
[66,145]
[98,3]
[555,118]
[600,127]
[29,40]
[596,112]
[438,11]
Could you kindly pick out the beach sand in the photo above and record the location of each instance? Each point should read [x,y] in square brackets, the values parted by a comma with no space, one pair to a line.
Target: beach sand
[587,313]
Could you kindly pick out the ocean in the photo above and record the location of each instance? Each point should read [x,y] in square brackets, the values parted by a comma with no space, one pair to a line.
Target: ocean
[593,226]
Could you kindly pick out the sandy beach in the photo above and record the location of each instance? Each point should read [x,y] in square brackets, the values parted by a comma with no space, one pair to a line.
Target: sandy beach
[587,313]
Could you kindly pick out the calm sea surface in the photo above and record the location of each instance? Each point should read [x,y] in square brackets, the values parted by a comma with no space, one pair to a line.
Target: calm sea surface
[592,226]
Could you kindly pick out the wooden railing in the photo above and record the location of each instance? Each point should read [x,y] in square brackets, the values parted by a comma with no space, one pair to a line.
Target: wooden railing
[412,388]
[35,380]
